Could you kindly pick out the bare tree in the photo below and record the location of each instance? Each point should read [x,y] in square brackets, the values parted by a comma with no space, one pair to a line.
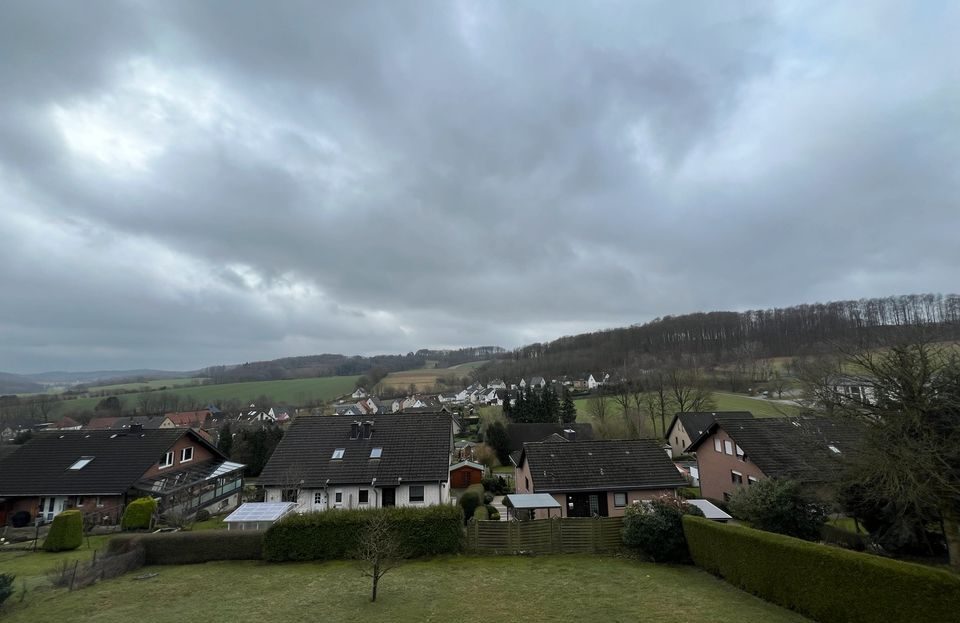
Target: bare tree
[43,405]
[597,406]
[621,395]
[689,391]
[378,551]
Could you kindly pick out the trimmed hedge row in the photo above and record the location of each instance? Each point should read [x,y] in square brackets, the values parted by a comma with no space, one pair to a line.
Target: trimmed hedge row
[335,534]
[829,584]
[185,548]
[66,533]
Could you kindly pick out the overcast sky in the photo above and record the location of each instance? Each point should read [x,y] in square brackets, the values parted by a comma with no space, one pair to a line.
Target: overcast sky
[192,183]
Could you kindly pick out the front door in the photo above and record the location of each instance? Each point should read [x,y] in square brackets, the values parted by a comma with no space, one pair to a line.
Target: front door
[388,496]
[50,508]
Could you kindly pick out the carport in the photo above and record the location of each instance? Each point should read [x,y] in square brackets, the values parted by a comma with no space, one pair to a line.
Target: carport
[530,502]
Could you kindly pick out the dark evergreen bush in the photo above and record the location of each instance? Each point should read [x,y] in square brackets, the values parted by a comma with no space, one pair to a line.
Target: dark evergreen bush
[184,548]
[656,528]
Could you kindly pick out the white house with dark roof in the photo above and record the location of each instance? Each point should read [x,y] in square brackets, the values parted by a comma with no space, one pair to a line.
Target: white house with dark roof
[344,462]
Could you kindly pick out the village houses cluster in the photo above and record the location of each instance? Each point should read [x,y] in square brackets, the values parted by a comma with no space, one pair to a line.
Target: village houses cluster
[405,452]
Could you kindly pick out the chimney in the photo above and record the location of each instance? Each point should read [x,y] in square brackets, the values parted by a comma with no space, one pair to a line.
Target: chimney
[569,434]
[367,429]
[354,430]
[136,429]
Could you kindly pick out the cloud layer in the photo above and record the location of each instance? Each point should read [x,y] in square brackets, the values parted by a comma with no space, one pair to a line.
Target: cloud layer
[183,185]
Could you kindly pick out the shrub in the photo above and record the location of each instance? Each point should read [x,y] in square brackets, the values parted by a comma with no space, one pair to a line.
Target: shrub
[20,519]
[334,534]
[497,485]
[828,584]
[689,493]
[6,586]
[469,502]
[203,514]
[492,512]
[138,514]
[487,497]
[66,533]
[185,548]
[780,506]
[656,528]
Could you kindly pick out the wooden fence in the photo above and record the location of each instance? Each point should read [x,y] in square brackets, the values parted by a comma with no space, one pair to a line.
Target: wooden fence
[545,536]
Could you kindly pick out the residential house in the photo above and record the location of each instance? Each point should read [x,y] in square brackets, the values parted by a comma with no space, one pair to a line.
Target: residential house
[124,423]
[685,427]
[496,384]
[186,419]
[99,471]
[596,478]
[67,423]
[466,473]
[538,382]
[853,388]
[520,434]
[359,393]
[737,451]
[595,381]
[281,415]
[342,462]
[522,384]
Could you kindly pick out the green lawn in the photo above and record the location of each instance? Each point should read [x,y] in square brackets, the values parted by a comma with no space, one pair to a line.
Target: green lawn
[722,402]
[33,566]
[293,392]
[155,384]
[531,589]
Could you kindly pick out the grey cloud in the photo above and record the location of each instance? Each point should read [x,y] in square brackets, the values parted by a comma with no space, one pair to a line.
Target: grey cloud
[365,177]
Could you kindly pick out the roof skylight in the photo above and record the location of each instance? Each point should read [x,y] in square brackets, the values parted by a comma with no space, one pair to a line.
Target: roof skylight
[82,462]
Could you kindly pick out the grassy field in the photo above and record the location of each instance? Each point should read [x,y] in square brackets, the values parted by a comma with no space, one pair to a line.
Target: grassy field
[722,402]
[155,384]
[32,567]
[532,589]
[426,378]
[293,392]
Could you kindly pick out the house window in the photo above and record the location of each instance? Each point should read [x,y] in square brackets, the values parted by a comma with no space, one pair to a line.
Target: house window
[338,497]
[167,460]
[288,495]
[740,454]
[82,462]
[736,478]
[99,502]
[416,493]
[728,447]
[186,454]
[717,445]
[318,498]
[376,453]
[364,496]
[751,480]
[619,500]
[676,441]
[526,481]
[79,501]
[338,453]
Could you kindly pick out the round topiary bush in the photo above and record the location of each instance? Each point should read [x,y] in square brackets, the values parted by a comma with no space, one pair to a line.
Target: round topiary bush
[203,514]
[138,514]
[487,497]
[66,533]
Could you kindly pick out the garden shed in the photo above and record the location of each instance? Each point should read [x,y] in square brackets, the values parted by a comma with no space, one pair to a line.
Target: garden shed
[258,515]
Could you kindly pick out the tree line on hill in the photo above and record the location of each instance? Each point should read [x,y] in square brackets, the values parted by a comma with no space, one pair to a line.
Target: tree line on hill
[531,405]
[718,338]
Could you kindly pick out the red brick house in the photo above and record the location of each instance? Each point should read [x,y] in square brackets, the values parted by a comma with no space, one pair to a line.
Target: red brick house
[99,471]
[736,451]
[596,478]
[688,426]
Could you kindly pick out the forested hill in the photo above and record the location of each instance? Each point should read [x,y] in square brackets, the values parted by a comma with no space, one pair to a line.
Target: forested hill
[375,366]
[718,337]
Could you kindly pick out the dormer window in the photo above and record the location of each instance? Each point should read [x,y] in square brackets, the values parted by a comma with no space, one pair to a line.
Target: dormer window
[376,453]
[82,462]
[167,460]
[186,454]
[338,453]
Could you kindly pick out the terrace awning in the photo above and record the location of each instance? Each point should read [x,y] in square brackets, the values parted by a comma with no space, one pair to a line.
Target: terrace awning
[530,501]
[195,474]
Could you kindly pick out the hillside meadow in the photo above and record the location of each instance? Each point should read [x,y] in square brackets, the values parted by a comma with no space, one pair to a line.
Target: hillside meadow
[293,392]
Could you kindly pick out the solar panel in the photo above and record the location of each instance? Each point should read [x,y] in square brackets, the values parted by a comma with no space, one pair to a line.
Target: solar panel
[260,511]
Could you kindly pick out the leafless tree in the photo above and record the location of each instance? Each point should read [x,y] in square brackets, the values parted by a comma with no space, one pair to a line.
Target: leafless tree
[621,395]
[598,405]
[378,551]
[42,406]
[689,391]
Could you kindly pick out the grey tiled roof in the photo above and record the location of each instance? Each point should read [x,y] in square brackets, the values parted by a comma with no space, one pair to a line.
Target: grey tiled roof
[41,466]
[415,447]
[697,423]
[797,448]
[600,465]
[524,433]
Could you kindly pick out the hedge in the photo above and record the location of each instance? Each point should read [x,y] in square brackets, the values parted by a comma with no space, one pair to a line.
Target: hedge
[828,584]
[138,513]
[66,533]
[335,534]
[185,548]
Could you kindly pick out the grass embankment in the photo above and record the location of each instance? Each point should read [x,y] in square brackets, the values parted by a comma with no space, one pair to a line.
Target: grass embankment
[294,392]
[722,401]
[543,588]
